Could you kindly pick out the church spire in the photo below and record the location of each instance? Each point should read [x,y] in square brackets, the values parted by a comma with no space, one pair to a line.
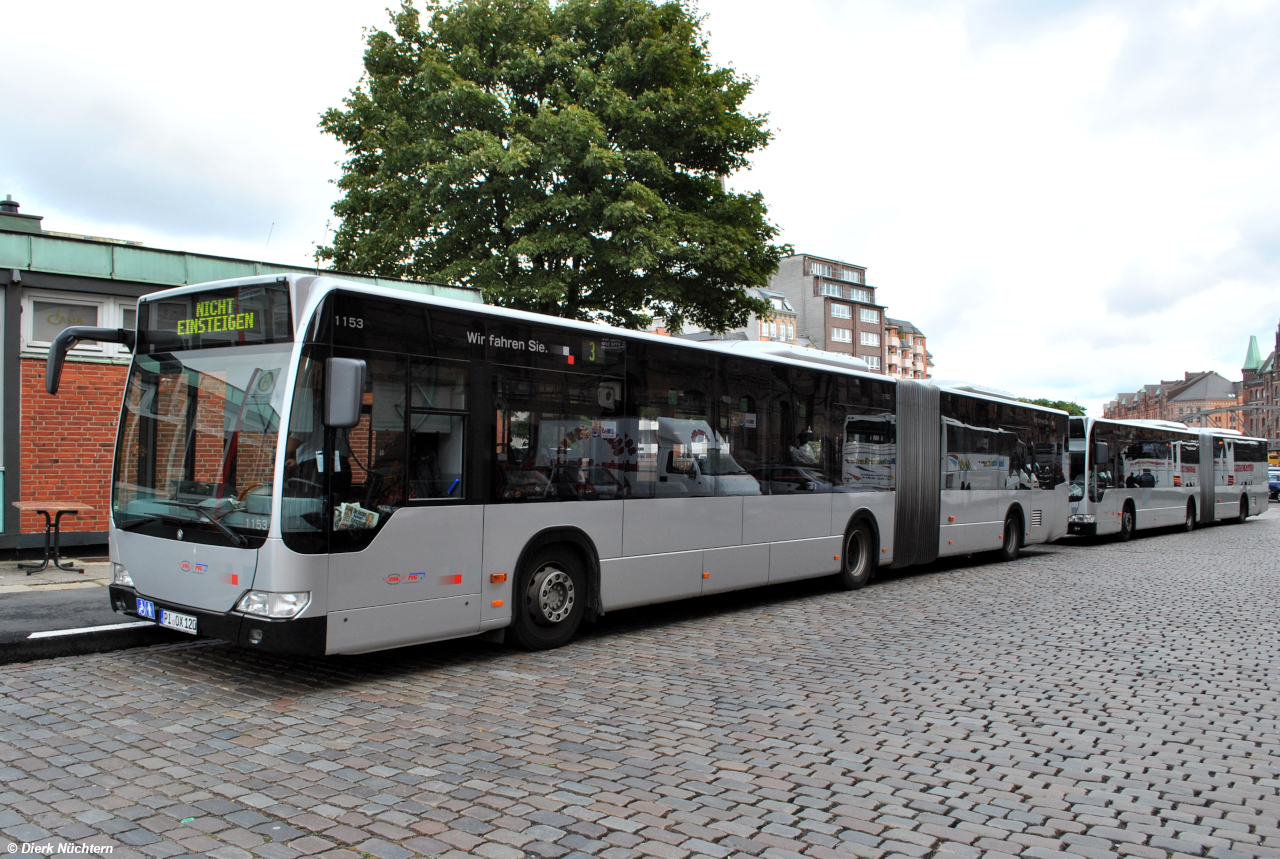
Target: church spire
[1252,360]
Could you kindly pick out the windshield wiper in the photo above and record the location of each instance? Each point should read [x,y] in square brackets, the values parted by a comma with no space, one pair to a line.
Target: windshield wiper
[145,520]
[237,539]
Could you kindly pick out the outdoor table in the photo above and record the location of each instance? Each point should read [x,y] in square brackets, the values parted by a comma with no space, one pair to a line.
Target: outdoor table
[52,526]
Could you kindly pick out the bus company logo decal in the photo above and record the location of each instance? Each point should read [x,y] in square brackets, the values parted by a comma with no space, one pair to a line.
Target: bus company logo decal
[404,578]
[198,569]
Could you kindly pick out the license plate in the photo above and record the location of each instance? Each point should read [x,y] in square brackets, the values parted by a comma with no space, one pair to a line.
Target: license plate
[180,622]
[146,608]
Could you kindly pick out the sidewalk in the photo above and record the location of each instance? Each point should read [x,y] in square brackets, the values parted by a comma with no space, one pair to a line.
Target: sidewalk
[97,573]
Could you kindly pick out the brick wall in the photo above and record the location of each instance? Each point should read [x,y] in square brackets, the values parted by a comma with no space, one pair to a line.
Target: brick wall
[67,441]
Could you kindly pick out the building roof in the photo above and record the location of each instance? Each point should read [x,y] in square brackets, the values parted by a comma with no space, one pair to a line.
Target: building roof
[1252,360]
[903,326]
[770,295]
[829,259]
[26,247]
[1204,386]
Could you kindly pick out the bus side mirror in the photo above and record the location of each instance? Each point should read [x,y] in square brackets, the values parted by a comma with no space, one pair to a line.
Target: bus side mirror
[343,391]
[67,340]
[1101,452]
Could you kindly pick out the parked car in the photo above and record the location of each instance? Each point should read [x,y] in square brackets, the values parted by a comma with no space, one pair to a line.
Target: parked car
[1273,483]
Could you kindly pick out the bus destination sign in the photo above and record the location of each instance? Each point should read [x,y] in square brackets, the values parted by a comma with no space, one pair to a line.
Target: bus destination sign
[246,315]
[218,315]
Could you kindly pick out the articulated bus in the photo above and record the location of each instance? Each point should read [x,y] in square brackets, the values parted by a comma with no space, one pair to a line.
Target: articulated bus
[310,466]
[1128,475]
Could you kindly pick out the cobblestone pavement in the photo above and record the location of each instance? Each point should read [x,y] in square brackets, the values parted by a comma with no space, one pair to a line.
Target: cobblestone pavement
[1092,700]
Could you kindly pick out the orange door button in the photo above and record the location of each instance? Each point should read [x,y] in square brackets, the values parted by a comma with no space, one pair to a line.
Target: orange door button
[497,578]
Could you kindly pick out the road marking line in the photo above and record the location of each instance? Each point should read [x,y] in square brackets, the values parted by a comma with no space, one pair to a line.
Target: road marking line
[53,633]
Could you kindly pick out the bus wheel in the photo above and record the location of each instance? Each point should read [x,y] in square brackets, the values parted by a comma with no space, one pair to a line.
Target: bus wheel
[1244,509]
[1012,538]
[857,566]
[550,600]
[1189,524]
[1127,524]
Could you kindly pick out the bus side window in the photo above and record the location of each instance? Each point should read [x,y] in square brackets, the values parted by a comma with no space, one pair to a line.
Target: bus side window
[437,388]
[374,454]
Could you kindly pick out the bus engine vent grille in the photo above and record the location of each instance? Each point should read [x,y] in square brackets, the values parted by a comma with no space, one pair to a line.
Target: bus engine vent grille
[1037,518]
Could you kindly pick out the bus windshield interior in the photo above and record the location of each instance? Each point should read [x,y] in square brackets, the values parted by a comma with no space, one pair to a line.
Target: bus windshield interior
[198,440]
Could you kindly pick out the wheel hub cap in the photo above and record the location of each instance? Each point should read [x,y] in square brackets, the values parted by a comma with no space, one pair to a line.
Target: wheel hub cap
[551,595]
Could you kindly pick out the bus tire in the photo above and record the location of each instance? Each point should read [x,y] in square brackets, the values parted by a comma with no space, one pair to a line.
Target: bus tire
[1011,543]
[857,562]
[1189,523]
[1128,523]
[1244,509]
[550,599]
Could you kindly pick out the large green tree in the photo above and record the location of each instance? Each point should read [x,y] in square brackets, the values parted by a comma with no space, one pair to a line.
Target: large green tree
[566,159]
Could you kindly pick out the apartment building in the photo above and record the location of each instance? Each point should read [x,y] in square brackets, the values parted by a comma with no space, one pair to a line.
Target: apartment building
[1260,393]
[1188,400]
[836,310]
[906,355]
[779,325]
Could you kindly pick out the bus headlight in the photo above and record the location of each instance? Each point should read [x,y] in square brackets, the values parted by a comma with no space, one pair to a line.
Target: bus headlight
[120,576]
[1083,518]
[274,605]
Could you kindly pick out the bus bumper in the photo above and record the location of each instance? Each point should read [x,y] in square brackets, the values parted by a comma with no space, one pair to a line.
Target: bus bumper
[298,636]
[1082,523]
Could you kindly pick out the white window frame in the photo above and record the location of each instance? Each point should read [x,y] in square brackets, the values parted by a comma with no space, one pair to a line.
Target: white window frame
[832,290]
[863,295]
[873,361]
[868,315]
[110,315]
[869,338]
[841,311]
[822,269]
[841,335]
[851,275]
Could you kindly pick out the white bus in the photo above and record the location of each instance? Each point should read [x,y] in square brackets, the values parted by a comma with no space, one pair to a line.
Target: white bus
[1130,475]
[311,466]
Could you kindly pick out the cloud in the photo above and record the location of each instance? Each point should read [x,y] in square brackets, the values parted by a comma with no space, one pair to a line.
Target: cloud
[168,124]
[1209,70]
[1071,199]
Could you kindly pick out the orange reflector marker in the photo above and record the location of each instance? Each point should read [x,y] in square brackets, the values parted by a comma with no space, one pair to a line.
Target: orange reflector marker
[951,518]
[706,575]
[455,579]
[949,542]
[497,578]
[497,603]
[884,549]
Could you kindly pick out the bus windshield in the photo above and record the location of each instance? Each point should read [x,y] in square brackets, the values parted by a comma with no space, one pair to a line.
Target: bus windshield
[197,443]
[1077,476]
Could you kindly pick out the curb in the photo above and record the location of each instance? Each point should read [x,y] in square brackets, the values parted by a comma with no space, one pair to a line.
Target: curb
[78,642]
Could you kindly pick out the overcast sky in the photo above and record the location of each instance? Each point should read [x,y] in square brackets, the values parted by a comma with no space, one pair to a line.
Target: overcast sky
[1070,198]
